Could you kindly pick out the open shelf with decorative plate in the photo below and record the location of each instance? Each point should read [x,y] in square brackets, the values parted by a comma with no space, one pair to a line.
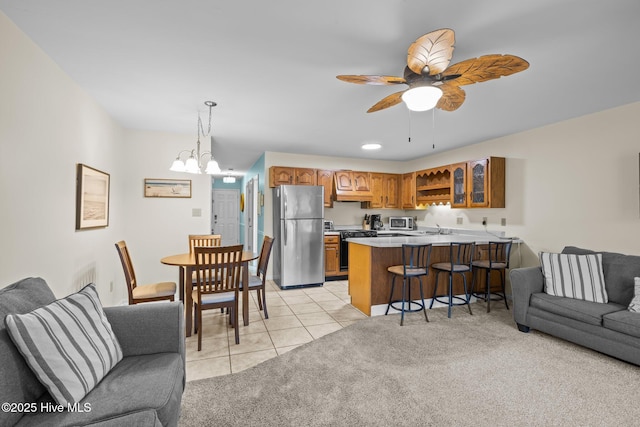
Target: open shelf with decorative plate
[433,186]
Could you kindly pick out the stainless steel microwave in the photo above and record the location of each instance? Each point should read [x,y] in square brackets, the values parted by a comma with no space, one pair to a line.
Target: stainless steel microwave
[400,223]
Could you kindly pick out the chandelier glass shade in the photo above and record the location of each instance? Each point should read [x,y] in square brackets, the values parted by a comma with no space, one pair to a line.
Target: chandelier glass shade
[422,98]
[194,163]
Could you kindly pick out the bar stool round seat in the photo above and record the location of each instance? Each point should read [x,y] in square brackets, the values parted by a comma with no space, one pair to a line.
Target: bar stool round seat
[415,264]
[460,260]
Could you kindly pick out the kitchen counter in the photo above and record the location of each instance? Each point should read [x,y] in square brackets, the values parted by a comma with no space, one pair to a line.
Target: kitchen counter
[369,258]
[436,239]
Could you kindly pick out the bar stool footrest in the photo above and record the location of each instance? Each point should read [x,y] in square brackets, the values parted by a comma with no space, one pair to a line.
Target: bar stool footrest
[460,300]
[407,303]
[498,296]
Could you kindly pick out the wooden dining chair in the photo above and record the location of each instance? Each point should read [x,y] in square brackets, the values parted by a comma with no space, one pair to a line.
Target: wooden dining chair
[143,293]
[217,283]
[205,240]
[258,280]
[209,240]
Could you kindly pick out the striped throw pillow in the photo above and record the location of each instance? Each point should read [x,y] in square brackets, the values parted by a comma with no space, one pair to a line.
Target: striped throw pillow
[574,276]
[635,302]
[68,344]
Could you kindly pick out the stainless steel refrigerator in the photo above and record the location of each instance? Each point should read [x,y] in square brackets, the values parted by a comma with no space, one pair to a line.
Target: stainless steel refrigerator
[298,227]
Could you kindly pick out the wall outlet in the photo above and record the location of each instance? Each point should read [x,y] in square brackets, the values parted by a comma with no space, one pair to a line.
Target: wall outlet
[484,221]
[196,212]
[111,286]
[503,221]
[459,220]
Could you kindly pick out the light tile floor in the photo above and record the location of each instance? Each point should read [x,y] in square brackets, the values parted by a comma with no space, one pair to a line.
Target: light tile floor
[296,316]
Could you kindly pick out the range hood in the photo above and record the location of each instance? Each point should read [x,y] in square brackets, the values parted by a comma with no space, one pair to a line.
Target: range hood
[352,186]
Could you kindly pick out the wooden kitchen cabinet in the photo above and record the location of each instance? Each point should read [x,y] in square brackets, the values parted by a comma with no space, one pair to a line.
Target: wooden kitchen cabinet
[377,192]
[352,181]
[390,191]
[352,186]
[478,183]
[285,175]
[332,256]
[433,186]
[325,178]
[408,199]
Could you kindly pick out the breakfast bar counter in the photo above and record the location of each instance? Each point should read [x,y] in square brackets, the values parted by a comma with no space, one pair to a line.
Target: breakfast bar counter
[369,258]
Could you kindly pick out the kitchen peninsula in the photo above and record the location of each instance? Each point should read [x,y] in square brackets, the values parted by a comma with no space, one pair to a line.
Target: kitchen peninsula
[369,258]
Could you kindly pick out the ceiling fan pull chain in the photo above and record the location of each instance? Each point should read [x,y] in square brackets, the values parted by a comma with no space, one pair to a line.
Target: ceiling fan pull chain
[433,128]
[410,127]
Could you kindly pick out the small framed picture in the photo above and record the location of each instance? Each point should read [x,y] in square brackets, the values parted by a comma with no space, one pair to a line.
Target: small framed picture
[92,198]
[167,188]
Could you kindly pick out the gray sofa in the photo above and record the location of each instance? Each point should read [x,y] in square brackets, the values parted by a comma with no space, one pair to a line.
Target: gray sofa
[144,389]
[608,328]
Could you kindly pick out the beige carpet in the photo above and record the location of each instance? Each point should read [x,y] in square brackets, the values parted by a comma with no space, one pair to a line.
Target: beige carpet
[466,371]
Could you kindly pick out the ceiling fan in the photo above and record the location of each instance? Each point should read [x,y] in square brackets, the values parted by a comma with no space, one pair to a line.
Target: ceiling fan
[432,82]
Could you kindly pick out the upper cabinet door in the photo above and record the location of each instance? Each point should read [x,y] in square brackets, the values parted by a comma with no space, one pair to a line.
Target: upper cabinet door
[459,185]
[360,181]
[390,186]
[377,189]
[343,180]
[409,190]
[280,175]
[305,176]
[325,178]
[478,184]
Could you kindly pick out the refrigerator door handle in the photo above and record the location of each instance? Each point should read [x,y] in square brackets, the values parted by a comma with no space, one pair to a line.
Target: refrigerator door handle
[284,230]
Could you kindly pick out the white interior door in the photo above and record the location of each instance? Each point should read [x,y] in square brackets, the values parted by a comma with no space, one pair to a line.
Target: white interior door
[251,215]
[225,218]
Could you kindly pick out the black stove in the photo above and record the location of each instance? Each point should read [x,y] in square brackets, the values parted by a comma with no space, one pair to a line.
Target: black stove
[344,245]
[347,234]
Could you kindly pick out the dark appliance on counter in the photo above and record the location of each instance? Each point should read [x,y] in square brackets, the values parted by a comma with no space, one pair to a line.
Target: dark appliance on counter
[344,245]
[376,222]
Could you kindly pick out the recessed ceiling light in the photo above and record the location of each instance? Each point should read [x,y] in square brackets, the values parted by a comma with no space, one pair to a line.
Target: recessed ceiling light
[371,146]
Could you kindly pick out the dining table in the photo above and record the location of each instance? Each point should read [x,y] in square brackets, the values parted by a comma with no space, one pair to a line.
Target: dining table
[186,263]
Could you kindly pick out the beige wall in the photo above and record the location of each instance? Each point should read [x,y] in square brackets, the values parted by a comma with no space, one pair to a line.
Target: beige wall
[47,125]
[571,183]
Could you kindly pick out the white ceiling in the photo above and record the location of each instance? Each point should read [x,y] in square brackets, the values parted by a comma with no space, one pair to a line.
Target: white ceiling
[271,67]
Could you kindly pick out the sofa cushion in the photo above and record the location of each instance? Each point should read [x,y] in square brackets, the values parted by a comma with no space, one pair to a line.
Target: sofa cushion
[17,382]
[137,383]
[583,311]
[623,321]
[634,305]
[619,271]
[68,344]
[574,276]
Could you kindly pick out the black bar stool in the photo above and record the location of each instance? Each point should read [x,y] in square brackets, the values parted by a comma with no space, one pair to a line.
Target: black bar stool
[460,259]
[415,263]
[499,253]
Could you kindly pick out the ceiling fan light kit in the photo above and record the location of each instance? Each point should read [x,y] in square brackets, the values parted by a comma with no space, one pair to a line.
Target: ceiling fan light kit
[422,98]
[193,164]
[432,82]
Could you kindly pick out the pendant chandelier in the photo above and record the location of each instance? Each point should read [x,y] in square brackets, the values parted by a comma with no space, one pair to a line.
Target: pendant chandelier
[194,162]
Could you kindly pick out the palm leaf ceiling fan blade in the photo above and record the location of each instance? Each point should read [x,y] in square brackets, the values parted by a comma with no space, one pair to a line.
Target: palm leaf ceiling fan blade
[431,53]
[452,97]
[487,67]
[372,80]
[387,101]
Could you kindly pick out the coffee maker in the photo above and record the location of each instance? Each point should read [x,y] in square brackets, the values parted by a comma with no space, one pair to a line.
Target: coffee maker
[376,222]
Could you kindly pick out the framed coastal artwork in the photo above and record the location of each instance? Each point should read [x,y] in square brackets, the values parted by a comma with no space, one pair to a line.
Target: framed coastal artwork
[167,187]
[92,198]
